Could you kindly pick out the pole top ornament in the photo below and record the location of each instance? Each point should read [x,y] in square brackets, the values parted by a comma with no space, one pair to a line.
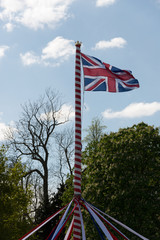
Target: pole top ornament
[78,43]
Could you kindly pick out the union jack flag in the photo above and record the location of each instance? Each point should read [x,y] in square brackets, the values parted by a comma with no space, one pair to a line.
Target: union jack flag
[100,76]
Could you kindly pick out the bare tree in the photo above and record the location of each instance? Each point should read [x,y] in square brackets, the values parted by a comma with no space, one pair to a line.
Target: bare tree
[65,149]
[34,134]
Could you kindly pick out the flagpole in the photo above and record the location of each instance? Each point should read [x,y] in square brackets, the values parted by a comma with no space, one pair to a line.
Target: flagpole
[77,163]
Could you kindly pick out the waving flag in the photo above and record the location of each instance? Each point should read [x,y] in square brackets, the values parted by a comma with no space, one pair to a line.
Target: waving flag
[100,76]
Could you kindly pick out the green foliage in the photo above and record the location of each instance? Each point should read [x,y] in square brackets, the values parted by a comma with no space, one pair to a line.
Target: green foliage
[14,200]
[69,191]
[94,131]
[122,179]
[43,213]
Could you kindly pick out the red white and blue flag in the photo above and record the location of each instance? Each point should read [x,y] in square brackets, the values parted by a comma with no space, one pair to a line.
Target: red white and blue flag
[100,76]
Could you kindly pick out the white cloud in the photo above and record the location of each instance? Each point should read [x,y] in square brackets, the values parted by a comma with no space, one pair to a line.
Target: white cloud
[64,114]
[2,129]
[134,110]
[29,58]
[5,128]
[101,3]
[3,49]
[117,42]
[9,27]
[58,48]
[11,6]
[35,14]
[56,52]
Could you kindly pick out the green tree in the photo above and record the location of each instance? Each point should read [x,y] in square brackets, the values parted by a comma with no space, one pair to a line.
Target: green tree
[122,179]
[14,200]
[94,131]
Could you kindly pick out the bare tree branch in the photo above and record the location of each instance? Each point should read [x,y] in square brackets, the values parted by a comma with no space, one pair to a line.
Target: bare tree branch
[33,134]
[34,170]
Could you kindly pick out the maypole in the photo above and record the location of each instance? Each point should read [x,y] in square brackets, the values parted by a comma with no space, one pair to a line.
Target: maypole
[95,213]
[77,163]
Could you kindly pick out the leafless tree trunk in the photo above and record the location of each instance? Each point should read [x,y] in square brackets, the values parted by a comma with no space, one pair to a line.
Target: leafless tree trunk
[65,149]
[33,134]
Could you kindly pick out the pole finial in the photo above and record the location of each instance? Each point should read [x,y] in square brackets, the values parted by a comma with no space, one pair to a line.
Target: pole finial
[78,43]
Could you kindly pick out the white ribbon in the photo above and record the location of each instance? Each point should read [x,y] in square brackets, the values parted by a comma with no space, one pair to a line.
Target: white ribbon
[41,225]
[62,221]
[123,225]
[100,223]
[82,225]
[69,230]
[108,221]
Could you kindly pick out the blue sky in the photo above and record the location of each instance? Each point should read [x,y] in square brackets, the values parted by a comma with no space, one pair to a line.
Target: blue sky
[37,52]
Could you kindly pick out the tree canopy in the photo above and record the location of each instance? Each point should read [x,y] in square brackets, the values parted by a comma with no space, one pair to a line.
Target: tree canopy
[14,200]
[122,179]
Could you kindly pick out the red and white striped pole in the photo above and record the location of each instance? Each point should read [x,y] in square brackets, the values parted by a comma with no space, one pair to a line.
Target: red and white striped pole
[78,145]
